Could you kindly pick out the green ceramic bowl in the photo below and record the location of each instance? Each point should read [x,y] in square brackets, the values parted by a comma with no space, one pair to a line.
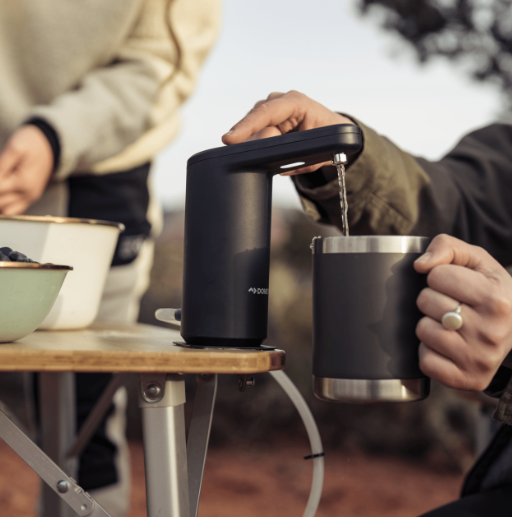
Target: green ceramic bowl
[27,293]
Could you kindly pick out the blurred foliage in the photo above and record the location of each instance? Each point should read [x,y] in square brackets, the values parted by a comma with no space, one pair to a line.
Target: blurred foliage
[477,33]
[439,430]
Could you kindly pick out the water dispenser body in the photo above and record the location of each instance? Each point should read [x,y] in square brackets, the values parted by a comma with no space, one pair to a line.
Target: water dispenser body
[227,231]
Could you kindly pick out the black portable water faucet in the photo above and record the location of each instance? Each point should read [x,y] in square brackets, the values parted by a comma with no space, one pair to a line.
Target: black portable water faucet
[227,231]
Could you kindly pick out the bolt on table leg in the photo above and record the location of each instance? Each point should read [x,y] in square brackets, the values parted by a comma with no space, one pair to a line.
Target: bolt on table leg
[162,399]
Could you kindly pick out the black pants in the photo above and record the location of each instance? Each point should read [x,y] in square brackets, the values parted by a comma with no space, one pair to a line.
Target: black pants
[123,197]
[491,503]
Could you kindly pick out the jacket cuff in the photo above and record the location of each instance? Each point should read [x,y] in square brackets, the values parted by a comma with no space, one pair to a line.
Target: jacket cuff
[503,412]
[499,382]
[52,137]
[319,190]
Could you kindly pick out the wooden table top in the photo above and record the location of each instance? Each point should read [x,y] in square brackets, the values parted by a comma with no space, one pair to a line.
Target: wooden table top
[128,348]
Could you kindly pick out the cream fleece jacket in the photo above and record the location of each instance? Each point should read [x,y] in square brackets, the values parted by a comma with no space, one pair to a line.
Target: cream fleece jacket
[102,73]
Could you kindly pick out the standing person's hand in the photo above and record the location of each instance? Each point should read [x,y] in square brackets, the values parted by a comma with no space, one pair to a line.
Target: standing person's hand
[26,164]
[459,273]
[283,113]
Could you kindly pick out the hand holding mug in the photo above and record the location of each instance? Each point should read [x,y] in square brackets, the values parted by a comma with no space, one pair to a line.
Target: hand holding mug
[460,274]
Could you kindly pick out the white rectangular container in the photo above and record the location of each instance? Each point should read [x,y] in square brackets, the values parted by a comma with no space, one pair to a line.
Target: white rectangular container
[85,244]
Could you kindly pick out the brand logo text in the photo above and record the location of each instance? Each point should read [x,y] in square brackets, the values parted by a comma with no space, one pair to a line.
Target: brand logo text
[258,290]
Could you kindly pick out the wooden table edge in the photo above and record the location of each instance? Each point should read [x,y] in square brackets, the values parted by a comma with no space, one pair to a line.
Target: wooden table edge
[140,362]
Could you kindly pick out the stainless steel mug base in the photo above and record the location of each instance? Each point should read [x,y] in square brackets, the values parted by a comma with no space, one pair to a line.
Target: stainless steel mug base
[371,390]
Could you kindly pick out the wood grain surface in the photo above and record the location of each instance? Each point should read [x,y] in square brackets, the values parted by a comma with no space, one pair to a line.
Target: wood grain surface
[128,348]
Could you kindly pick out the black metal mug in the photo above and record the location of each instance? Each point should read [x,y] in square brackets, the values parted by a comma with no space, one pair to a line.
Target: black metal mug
[365,347]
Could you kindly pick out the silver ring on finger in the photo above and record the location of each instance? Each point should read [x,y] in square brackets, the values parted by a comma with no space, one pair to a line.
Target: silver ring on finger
[452,320]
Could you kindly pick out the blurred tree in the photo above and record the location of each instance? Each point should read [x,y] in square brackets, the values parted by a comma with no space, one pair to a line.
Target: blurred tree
[477,33]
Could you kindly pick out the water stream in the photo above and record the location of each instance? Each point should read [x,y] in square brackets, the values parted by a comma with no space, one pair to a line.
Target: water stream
[340,167]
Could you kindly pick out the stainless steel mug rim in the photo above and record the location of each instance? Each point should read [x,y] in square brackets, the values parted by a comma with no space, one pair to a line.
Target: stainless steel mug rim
[371,244]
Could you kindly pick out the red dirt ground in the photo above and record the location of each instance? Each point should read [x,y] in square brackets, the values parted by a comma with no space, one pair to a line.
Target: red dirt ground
[271,483]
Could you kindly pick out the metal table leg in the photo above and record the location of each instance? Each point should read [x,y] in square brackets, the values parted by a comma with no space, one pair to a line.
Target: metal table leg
[198,436]
[96,415]
[161,398]
[58,422]
[63,485]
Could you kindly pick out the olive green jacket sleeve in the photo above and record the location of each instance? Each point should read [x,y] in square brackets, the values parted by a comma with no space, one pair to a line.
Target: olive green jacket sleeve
[381,185]
[466,194]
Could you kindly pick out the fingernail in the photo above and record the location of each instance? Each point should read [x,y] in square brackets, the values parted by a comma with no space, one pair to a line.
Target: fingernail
[424,258]
[229,132]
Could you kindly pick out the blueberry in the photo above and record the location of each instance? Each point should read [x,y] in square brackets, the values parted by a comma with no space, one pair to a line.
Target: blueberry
[9,255]
[16,256]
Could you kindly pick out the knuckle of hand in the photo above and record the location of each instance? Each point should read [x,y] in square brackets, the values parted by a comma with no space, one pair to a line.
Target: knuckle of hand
[464,383]
[442,239]
[500,304]
[31,197]
[426,331]
[484,364]
[430,367]
[422,300]
[426,363]
[421,328]
[15,146]
[435,276]
[477,383]
[464,380]
[260,108]
[275,95]
[495,335]
[459,381]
